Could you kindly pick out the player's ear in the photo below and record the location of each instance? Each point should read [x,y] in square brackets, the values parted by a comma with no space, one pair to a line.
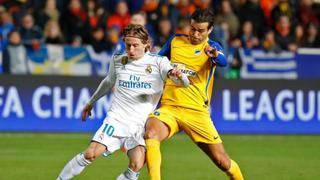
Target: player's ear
[147,46]
[210,29]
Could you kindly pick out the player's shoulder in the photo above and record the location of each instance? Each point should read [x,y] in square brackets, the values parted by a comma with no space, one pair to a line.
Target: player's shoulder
[119,57]
[214,43]
[179,40]
[156,57]
[179,37]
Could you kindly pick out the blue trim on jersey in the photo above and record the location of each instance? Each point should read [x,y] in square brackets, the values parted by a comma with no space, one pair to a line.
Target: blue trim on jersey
[221,59]
[153,54]
[166,48]
[208,82]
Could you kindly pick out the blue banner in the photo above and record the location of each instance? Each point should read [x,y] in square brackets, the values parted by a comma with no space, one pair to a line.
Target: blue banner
[48,104]
[267,106]
[54,104]
[308,61]
[1,57]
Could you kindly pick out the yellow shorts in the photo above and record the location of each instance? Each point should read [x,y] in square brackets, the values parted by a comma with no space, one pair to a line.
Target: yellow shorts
[196,124]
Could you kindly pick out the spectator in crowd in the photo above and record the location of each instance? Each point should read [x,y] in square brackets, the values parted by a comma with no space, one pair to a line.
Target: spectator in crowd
[202,4]
[97,16]
[121,17]
[248,37]
[164,32]
[284,7]
[227,15]
[170,11]
[186,7]
[141,18]
[235,66]
[221,34]
[76,41]
[251,11]
[269,43]
[31,34]
[150,7]
[52,33]
[73,21]
[313,37]
[17,9]
[6,25]
[267,6]
[308,13]
[113,36]
[49,12]
[284,36]
[15,55]
[299,35]
[99,41]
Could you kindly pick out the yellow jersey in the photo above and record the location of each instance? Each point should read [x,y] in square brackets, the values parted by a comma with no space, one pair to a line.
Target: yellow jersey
[194,62]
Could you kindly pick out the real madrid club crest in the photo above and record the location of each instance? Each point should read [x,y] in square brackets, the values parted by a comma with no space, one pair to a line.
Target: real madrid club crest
[149,69]
[124,60]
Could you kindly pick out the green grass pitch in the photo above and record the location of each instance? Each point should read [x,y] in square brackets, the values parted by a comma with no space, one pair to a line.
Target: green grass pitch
[261,157]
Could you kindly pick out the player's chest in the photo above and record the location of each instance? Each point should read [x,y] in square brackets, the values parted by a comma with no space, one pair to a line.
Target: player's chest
[192,57]
[137,73]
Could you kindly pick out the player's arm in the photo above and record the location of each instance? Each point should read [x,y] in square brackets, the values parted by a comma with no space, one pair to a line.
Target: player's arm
[215,53]
[178,77]
[167,71]
[105,86]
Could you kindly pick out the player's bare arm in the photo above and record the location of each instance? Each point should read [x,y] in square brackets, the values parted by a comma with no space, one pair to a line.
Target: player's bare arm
[86,112]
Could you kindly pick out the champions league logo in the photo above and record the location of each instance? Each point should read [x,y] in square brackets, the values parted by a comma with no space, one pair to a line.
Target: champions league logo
[149,69]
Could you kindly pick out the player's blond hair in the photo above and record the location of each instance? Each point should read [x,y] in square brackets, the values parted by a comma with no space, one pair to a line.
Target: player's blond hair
[137,31]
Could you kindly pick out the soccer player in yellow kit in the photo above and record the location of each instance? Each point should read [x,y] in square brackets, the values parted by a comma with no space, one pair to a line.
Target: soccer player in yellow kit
[187,109]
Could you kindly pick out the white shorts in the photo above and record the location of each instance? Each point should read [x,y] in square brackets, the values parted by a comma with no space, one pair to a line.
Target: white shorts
[115,135]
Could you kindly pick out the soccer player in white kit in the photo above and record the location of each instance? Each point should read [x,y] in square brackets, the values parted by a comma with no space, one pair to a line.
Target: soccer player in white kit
[138,77]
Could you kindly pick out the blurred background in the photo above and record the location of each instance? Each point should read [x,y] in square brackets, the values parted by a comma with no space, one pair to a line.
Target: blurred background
[54,53]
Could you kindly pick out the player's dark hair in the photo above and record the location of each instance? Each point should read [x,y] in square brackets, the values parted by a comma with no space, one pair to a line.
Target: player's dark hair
[202,16]
[137,31]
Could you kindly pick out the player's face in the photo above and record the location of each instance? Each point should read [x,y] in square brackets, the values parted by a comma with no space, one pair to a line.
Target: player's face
[198,32]
[134,47]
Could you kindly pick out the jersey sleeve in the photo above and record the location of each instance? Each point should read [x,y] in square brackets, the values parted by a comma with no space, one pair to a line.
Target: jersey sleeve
[164,67]
[105,85]
[166,48]
[221,59]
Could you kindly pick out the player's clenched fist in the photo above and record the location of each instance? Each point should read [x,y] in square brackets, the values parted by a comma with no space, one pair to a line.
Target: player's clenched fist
[178,77]
[211,51]
[175,73]
[86,112]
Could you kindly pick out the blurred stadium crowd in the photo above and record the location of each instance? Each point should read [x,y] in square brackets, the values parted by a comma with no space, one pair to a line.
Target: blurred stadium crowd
[272,25]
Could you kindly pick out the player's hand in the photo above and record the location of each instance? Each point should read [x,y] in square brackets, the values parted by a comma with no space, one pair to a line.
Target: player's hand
[211,51]
[176,73]
[86,112]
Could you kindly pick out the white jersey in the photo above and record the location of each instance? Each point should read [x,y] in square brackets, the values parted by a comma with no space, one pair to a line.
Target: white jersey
[138,87]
